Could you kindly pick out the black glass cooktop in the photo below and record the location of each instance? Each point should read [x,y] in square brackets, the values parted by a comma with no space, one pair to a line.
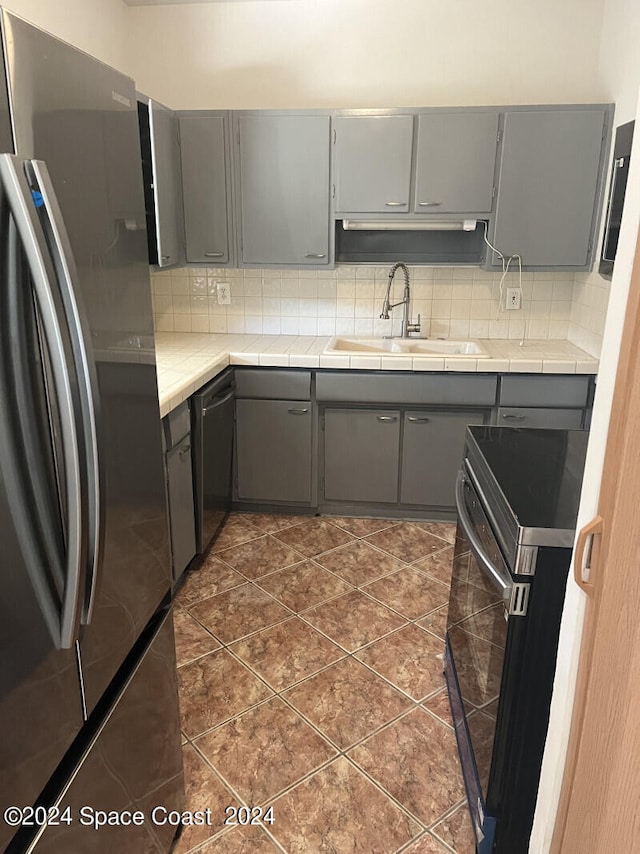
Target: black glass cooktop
[538,471]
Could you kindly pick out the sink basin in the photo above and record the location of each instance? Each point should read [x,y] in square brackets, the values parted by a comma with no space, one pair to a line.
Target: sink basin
[406,347]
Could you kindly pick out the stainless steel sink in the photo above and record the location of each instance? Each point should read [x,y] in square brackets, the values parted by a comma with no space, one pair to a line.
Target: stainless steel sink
[406,347]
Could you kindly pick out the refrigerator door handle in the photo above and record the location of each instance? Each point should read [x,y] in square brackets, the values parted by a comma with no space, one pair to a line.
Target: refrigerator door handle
[23,210]
[64,263]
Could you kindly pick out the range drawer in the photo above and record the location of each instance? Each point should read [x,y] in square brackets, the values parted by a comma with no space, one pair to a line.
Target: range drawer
[356,387]
[271,384]
[544,391]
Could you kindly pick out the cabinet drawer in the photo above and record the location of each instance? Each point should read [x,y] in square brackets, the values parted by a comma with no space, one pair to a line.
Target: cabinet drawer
[524,417]
[354,387]
[544,391]
[273,385]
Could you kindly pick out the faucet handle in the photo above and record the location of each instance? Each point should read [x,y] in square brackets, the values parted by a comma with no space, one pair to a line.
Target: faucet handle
[414,327]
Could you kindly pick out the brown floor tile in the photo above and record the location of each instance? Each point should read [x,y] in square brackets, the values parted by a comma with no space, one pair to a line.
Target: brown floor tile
[361,527]
[204,790]
[488,624]
[444,530]
[353,620]
[435,622]
[214,689]
[339,811]
[410,659]
[439,706]
[210,578]
[409,592]
[425,845]
[192,640]
[258,557]
[415,759]
[457,832]
[264,751]
[239,612]
[237,529]
[313,537]
[468,599]
[301,586]
[347,702]
[406,542]
[287,653]
[359,563]
[438,565]
[242,840]
[271,522]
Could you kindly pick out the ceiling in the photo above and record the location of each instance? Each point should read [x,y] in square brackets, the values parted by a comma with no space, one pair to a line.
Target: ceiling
[179,2]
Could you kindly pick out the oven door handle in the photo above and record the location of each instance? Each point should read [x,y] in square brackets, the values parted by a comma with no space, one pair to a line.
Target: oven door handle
[504,585]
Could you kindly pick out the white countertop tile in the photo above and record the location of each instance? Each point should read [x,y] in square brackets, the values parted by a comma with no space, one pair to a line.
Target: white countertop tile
[188,360]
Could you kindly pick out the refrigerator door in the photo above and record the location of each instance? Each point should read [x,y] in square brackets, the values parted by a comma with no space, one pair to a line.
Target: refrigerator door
[79,117]
[133,762]
[40,700]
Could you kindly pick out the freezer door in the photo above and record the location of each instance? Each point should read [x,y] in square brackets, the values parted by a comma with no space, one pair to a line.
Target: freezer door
[133,763]
[79,117]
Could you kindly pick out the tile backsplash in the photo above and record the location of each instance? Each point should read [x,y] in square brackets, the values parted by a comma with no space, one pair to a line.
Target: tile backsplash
[455,302]
[589,311]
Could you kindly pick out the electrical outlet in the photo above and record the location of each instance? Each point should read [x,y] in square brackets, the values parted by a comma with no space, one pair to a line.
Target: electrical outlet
[514,299]
[224,293]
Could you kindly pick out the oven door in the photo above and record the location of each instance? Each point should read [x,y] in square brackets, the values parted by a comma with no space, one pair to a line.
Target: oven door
[483,602]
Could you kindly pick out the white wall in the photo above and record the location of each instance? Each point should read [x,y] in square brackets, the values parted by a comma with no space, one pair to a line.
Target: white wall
[368,53]
[620,74]
[99,27]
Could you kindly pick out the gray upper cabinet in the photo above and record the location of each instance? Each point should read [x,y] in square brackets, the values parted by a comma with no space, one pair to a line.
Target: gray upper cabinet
[372,163]
[548,186]
[206,182]
[162,182]
[283,180]
[455,162]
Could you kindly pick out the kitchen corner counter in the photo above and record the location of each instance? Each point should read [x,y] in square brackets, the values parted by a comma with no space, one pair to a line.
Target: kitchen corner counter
[187,360]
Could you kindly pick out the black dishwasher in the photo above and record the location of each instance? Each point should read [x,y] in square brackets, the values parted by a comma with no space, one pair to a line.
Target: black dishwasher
[212,415]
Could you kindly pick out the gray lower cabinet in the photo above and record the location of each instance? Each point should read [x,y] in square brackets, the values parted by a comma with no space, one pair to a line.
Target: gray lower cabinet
[283,188]
[274,450]
[432,448]
[206,183]
[548,185]
[455,162]
[540,417]
[179,472]
[361,449]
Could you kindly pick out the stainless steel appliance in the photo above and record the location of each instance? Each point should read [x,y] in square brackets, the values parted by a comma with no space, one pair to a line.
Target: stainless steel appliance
[617,190]
[212,414]
[88,701]
[517,500]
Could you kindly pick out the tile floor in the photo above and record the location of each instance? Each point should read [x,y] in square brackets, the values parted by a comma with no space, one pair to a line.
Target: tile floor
[310,672]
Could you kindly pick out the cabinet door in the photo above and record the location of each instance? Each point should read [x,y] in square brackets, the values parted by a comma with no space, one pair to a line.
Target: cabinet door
[361,452]
[569,419]
[284,189]
[167,185]
[373,163]
[205,190]
[181,509]
[432,453]
[456,155]
[547,187]
[273,447]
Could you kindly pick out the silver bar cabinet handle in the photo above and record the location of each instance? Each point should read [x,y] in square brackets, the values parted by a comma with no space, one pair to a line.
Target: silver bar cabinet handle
[213,254]
[298,411]
[414,419]
[387,418]
[513,417]
[428,204]
[395,204]
[315,255]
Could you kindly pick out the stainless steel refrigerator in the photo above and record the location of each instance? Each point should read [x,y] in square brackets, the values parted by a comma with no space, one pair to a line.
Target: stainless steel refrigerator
[88,698]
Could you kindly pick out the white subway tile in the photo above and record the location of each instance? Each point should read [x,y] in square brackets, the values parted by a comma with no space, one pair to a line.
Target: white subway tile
[326,326]
[217,324]
[309,289]
[182,322]
[252,324]
[308,326]
[290,325]
[271,325]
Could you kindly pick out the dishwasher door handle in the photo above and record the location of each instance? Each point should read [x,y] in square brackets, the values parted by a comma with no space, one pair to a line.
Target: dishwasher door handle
[219,402]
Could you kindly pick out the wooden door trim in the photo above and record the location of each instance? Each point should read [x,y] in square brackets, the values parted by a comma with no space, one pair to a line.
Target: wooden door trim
[626,400]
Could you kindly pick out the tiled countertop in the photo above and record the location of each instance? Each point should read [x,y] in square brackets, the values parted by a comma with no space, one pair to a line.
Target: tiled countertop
[187,360]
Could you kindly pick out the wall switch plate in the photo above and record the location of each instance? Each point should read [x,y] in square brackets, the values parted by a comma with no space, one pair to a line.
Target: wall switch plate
[224,293]
[514,299]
